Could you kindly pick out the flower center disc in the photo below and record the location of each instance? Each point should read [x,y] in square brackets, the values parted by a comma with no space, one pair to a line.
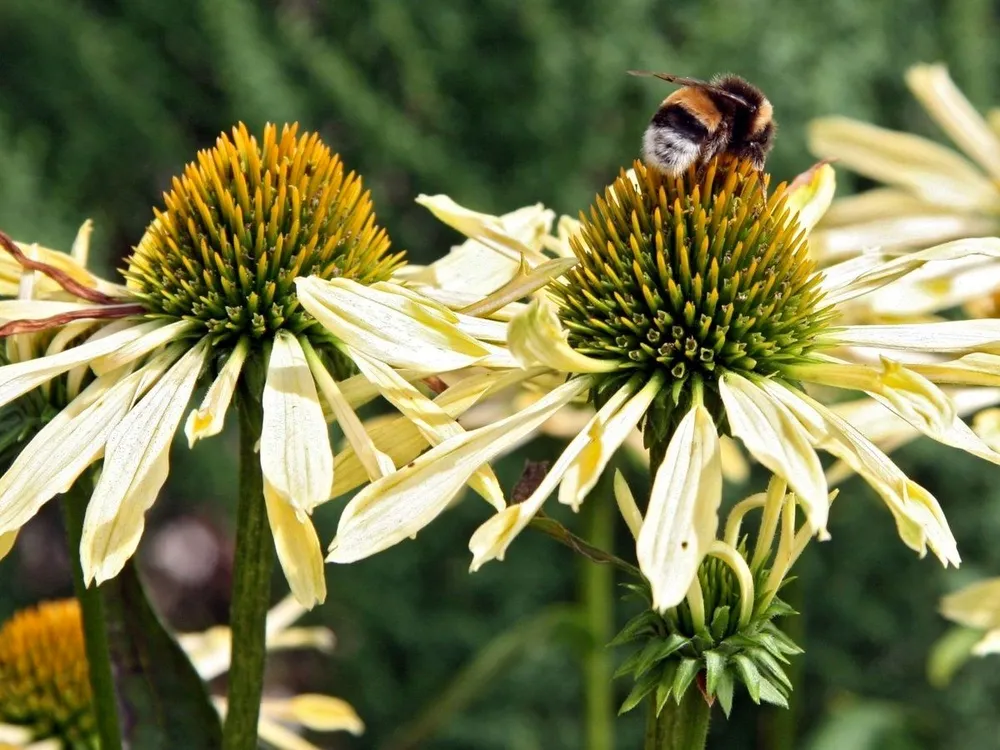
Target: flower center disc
[243,222]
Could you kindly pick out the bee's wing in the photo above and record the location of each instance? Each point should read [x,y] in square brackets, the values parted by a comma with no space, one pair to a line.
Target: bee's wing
[682,81]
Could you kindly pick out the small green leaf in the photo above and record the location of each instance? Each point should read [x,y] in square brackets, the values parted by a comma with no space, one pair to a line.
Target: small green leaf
[664,688]
[687,670]
[720,623]
[715,666]
[749,674]
[635,628]
[769,664]
[724,692]
[640,690]
[770,693]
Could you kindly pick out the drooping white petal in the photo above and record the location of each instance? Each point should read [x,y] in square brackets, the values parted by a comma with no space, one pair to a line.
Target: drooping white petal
[537,337]
[525,282]
[975,606]
[19,378]
[392,328]
[920,521]
[136,464]
[209,418]
[935,173]
[131,350]
[939,95]
[433,422]
[627,505]
[491,540]
[71,442]
[400,505]
[958,336]
[36,309]
[683,512]
[606,437]
[776,438]
[320,713]
[298,548]
[295,454]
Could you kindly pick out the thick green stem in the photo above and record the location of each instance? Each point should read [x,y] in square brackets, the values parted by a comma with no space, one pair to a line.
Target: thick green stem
[597,584]
[679,727]
[95,633]
[254,561]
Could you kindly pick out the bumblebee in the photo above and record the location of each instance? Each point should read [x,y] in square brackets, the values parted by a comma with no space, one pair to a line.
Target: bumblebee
[704,119]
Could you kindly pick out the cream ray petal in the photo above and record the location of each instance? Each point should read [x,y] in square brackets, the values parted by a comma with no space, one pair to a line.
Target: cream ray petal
[295,454]
[811,194]
[935,173]
[920,521]
[298,548]
[953,336]
[975,606]
[939,95]
[608,434]
[400,438]
[775,437]
[433,422]
[937,287]
[279,736]
[136,464]
[320,713]
[137,347]
[491,540]
[683,513]
[36,309]
[19,378]
[7,539]
[209,418]
[400,505]
[526,282]
[71,442]
[942,259]
[375,322]
[988,644]
[627,505]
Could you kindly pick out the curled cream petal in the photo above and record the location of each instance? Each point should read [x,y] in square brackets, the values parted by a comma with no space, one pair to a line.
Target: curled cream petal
[295,454]
[936,174]
[398,506]
[433,422]
[19,378]
[776,438]
[136,465]
[491,540]
[298,548]
[627,505]
[952,336]
[131,350]
[811,194]
[36,309]
[209,418]
[683,512]
[608,434]
[939,95]
[392,328]
[537,337]
[975,606]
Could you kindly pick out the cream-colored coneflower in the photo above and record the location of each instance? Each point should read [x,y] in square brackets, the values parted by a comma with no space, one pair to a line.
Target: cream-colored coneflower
[45,698]
[266,278]
[932,194]
[696,310]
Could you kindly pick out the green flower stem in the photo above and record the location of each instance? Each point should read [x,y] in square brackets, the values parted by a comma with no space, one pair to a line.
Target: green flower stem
[597,584]
[681,726]
[254,560]
[95,634]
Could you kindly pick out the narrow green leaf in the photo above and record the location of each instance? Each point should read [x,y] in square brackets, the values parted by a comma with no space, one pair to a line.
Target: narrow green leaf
[720,623]
[634,629]
[724,692]
[749,675]
[770,693]
[643,687]
[769,664]
[163,702]
[715,666]
[687,670]
[664,688]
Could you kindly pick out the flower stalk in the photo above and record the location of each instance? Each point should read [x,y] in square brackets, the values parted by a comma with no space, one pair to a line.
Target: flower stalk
[253,562]
[597,596]
[678,726]
[95,633]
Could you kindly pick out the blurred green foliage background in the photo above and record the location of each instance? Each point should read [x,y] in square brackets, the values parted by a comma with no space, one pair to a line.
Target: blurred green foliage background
[499,104]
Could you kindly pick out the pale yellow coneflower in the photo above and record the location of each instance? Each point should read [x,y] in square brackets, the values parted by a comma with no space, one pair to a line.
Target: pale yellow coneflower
[696,310]
[45,697]
[265,277]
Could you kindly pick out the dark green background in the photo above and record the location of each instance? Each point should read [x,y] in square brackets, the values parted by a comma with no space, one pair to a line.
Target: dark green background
[498,103]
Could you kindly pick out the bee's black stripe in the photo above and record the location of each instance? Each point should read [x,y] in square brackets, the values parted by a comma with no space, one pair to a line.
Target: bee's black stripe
[677,119]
